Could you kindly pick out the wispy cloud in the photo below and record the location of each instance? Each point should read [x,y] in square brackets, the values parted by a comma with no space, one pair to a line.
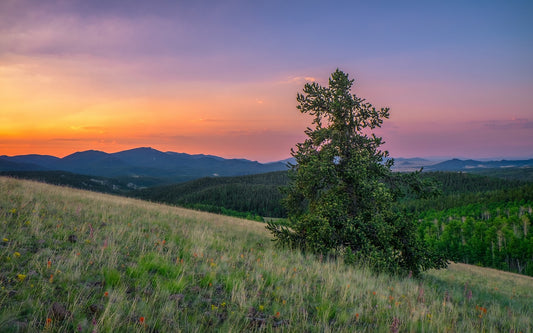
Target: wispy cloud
[518,123]
[298,80]
[70,139]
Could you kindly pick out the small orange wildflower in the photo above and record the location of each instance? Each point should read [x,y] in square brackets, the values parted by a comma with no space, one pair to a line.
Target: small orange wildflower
[51,278]
[49,264]
[106,294]
[277,314]
[141,320]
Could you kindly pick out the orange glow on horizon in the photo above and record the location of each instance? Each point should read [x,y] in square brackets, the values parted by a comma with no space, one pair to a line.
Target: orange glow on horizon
[51,115]
[58,113]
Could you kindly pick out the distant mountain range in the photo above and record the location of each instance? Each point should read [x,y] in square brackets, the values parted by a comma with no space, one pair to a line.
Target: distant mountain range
[466,165]
[412,164]
[141,164]
[148,167]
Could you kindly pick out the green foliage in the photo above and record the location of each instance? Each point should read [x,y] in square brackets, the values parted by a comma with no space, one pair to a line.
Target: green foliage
[341,194]
[259,195]
[459,189]
[91,183]
[517,173]
[494,235]
[112,277]
[255,195]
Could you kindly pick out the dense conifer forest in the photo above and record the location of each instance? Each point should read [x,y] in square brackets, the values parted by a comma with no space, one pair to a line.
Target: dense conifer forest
[251,195]
[261,195]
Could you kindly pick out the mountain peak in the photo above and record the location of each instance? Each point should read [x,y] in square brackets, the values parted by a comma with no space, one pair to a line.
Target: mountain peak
[86,153]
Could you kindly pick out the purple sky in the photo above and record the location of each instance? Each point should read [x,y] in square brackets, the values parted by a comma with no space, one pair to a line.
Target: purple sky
[221,77]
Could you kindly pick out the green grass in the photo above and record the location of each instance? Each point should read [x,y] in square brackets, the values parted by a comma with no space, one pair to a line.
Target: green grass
[79,261]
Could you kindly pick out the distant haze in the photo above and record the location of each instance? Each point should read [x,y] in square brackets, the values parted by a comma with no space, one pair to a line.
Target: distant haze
[221,78]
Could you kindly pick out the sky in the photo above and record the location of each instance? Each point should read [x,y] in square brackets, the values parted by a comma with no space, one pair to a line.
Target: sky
[221,77]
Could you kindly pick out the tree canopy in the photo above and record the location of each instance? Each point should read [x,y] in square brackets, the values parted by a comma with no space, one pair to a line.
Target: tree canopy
[341,194]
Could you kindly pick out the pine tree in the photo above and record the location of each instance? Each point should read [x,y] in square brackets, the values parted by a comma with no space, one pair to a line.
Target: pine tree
[340,198]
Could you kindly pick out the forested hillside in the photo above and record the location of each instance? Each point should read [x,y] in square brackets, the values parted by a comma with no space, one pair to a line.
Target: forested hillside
[253,194]
[65,178]
[524,174]
[495,234]
[260,194]
[458,189]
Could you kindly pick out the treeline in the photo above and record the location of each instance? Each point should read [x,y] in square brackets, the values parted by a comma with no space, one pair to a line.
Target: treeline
[257,195]
[495,234]
[523,173]
[225,211]
[69,179]
[462,182]
[260,194]
[513,191]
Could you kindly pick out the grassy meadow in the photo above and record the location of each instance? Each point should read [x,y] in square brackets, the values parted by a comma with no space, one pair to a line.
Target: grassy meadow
[76,261]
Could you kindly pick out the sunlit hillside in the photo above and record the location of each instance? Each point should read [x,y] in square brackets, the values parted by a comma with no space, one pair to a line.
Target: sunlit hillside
[76,261]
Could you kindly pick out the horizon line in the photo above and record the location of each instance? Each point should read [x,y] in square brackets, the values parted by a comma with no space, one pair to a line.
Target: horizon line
[432,158]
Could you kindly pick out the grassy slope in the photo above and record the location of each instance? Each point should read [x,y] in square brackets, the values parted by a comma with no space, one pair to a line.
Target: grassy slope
[137,266]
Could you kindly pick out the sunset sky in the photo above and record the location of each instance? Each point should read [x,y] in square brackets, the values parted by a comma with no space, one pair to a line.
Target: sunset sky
[221,77]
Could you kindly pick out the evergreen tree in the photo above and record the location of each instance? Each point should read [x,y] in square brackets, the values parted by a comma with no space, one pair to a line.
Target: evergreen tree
[341,194]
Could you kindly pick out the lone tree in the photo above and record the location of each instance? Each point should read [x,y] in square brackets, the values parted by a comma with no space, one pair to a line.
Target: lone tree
[341,195]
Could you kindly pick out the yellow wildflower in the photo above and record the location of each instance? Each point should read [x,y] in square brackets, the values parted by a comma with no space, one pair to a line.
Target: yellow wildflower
[21,277]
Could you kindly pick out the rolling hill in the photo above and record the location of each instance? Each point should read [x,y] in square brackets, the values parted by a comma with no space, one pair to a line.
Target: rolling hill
[73,260]
[256,194]
[260,194]
[168,167]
